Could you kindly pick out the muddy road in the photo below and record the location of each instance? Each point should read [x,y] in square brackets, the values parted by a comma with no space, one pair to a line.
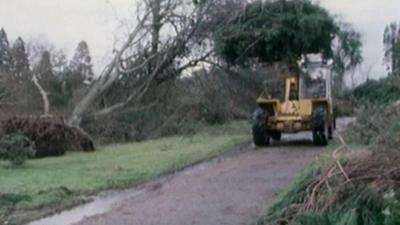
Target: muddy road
[231,190]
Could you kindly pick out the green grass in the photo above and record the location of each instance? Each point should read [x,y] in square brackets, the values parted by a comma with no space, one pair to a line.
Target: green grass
[46,182]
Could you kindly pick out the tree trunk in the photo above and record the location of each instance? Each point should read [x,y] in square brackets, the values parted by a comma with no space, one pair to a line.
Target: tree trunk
[43,94]
[154,63]
[98,88]
[156,26]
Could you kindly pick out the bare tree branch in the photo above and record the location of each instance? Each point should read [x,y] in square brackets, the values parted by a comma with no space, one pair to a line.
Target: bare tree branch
[145,69]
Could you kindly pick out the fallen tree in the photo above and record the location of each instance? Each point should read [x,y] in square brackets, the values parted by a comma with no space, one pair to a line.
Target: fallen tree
[149,57]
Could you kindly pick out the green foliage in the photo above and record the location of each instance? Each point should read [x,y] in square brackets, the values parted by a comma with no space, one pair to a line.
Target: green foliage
[360,205]
[60,93]
[81,63]
[392,210]
[16,148]
[357,204]
[10,200]
[378,92]
[378,118]
[6,60]
[368,126]
[280,30]
[347,54]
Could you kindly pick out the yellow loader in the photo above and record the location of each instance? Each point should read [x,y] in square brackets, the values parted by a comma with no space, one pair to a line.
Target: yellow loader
[305,104]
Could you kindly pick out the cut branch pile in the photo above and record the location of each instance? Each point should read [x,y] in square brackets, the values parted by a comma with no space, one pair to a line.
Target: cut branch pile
[378,171]
[50,135]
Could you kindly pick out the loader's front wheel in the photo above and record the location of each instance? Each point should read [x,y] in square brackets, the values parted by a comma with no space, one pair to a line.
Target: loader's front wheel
[259,130]
[260,135]
[320,128]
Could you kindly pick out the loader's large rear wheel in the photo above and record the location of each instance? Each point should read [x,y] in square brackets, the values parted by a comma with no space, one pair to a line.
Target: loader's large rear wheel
[320,127]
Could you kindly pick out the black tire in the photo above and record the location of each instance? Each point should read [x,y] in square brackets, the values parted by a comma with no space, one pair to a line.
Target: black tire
[276,135]
[260,135]
[259,130]
[320,129]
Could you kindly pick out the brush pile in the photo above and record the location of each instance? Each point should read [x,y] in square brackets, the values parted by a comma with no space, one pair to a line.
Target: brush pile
[50,135]
[362,190]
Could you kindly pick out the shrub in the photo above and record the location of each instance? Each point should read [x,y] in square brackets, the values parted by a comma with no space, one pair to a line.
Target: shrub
[51,136]
[16,148]
[11,199]
[378,113]
[378,92]
[377,126]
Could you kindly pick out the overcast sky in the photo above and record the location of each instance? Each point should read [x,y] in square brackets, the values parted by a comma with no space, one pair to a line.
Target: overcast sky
[66,22]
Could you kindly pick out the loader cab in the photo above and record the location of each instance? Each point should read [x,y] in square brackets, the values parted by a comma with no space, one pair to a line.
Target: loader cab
[292,88]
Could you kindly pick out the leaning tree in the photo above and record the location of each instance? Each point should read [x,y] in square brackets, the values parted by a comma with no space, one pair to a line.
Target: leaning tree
[167,40]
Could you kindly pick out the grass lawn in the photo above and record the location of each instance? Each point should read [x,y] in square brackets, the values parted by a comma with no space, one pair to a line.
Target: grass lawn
[48,182]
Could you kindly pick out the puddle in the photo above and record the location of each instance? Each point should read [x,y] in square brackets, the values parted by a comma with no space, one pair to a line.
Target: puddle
[104,201]
[100,204]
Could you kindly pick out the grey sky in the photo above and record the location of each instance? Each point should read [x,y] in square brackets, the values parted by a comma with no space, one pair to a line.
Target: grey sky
[66,22]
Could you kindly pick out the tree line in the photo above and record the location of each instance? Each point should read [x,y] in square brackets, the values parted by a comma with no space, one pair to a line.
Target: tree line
[23,65]
[169,59]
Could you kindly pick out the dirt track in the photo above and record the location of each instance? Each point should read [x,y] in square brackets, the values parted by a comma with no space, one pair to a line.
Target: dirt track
[232,190]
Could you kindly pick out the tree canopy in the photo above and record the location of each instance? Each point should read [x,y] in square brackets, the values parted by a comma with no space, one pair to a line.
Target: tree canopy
[20,56]
[347,54]
[272,31]
[81,62]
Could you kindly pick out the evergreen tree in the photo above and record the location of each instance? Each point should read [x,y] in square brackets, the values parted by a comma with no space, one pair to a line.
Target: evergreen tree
[81,63]
[391,40]
[44,70]
[276,31]
[60,63]
[20,58]
[347,54]
[5,52]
